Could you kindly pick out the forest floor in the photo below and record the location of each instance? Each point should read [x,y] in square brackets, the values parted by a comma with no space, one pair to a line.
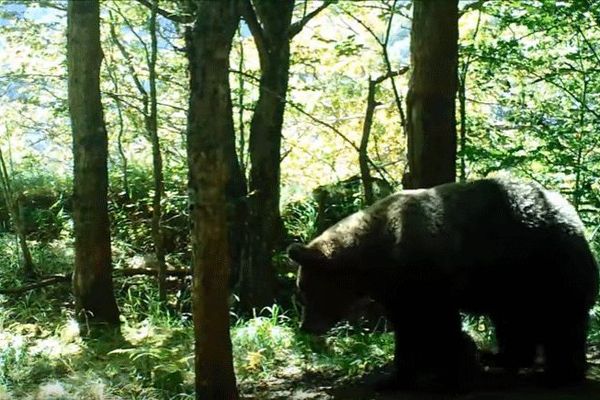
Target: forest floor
[491,387]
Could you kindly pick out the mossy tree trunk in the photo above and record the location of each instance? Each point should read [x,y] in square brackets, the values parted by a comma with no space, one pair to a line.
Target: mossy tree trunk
[210,138]
[92,278]
[430,103]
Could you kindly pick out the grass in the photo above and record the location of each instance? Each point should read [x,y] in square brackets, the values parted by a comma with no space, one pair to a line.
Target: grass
[153,359]
[43,356]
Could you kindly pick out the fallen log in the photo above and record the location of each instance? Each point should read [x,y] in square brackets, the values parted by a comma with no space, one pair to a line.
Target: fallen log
[46,281]
[53,279]
[152,272]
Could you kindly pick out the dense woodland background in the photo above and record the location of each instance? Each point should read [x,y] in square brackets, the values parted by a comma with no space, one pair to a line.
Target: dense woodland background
[319,129]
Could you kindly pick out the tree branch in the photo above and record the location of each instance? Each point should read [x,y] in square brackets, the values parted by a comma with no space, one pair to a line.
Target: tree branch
[476,5]
[297,26]
[390,74]
[128,60]
[365,26]
[182,19]
[249,15]
[319,121]
[587,42]
[52,4]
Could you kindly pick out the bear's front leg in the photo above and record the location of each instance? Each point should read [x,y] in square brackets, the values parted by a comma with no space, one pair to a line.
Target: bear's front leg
[406,358]
[433,353]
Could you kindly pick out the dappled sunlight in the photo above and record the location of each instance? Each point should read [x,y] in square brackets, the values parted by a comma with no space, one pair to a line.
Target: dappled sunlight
[54,348]
[137,334]
[269,350]
[32,339]
[52,361]
[11,341]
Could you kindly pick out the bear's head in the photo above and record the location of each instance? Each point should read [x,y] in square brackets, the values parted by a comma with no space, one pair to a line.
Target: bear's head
[326,289]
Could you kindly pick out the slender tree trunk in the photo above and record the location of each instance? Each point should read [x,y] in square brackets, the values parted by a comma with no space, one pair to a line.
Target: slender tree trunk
[577,190]
[238,186]
[241,106]
[363,150]
[271,25]
[264,226]
[430,102]
[110,68]
[150,113]
[15,211]
[157,162]
[210,138]
[388,66]
[462,104]
[120,148]
[92,278]
[26,260]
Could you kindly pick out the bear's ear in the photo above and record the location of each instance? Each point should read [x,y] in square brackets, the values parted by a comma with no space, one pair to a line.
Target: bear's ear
[305,256]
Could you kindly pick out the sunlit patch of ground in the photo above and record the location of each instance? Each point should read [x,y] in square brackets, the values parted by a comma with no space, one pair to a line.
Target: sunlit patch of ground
[153,359]
[145,362]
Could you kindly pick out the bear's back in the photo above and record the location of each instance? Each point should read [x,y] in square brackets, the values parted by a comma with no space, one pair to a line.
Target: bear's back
[486,205]
[490,219]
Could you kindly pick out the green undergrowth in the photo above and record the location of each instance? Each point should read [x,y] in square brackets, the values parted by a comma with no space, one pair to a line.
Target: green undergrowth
[43,356]
[271,346]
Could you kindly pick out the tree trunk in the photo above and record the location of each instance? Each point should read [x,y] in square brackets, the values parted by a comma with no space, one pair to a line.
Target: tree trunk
[210,138]
[264,226]
[238,187]
[150,113]
[112,73]
[465,63]
[14,207]
[462,107]
[157,163]
[92,278]
[363,150]
[271,25]
[430,102]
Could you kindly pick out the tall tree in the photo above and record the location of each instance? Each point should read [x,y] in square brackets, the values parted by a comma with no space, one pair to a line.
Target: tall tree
[92,278]
[236,187]
[430,103]
[149,111]
[210,138]
[272,28]
[157,162]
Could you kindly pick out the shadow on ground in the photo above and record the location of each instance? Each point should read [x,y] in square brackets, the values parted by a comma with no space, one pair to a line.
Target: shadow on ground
[490,387]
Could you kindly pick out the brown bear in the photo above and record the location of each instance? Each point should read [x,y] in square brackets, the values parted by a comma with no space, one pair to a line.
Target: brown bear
[498,247]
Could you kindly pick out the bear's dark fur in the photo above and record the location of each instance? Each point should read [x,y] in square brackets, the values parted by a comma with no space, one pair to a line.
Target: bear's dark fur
[510,250]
